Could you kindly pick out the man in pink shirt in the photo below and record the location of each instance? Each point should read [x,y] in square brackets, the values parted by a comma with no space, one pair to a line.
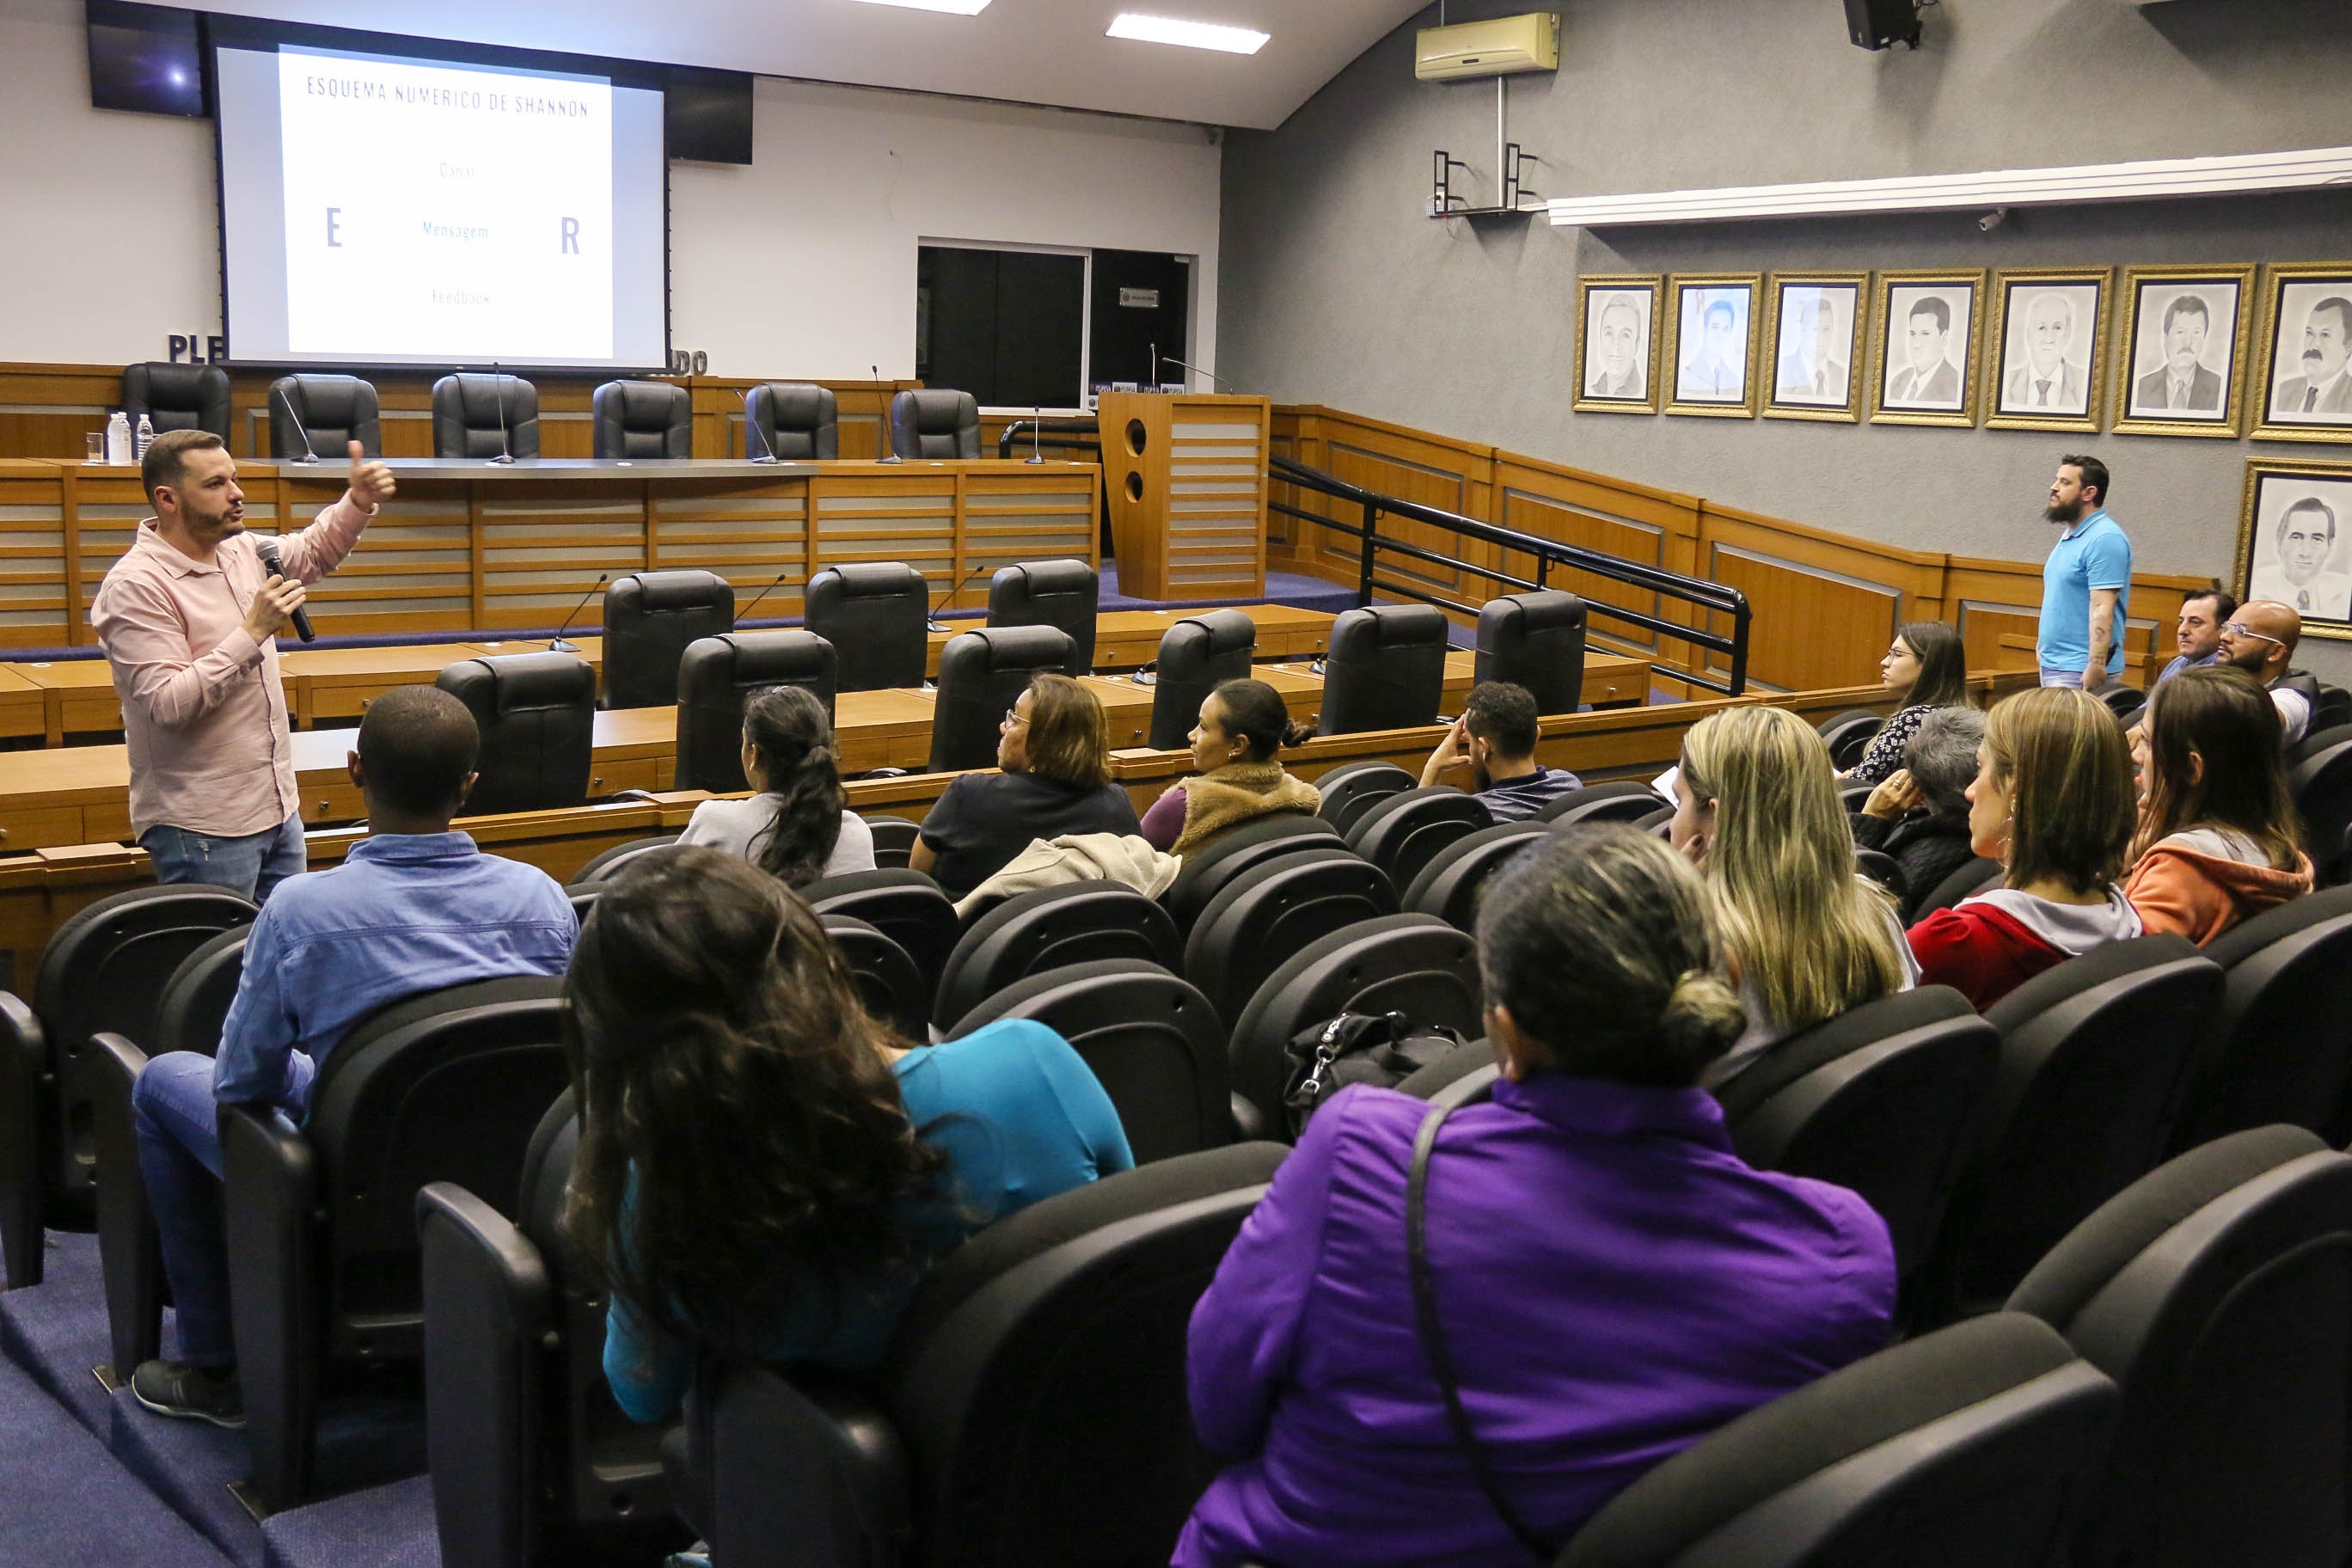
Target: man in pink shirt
[189,618]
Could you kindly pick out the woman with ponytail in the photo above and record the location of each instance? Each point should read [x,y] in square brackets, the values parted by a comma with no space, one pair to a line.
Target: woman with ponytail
[1607,1280]
[764,1170]
[1243,724]
[797,825]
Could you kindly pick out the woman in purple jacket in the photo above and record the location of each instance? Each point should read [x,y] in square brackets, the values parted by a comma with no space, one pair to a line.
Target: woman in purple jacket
[1611,1281]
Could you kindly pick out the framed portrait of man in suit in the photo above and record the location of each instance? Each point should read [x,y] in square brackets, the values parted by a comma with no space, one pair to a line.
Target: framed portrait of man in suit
[1710,349]
[1812,342]
[2049,366]
[1924,355]
[1616,344]
[2305,383]
[2294,541]
[2180,359]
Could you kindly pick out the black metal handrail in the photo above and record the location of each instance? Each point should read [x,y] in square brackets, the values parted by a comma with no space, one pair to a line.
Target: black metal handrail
[1713,597]
[1061,435]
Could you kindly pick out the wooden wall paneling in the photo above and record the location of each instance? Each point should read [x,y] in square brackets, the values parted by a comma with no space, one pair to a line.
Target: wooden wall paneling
[34,562]
[414,570]
[109,506]
[745,532]
[1597,513]
[1434,471]
[1216,497]
[1998,606]
[895,514]
[46,410]
[543,545]
[1824,606]
[1041,513]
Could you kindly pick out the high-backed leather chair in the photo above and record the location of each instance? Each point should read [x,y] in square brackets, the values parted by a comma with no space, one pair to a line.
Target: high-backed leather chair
[650,618]
[934,422]
[876,616]
[537,713]
[478,416]
[1385,669]
[176,396]
[903,905]
[643,419]
[2281,1046]
[1196,655]
[1062,594]
[982,674]
[714,678]
[1535,640]
[792,421]
[318,416]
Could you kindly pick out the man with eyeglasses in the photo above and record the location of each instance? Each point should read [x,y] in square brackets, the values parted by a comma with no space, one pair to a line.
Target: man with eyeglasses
[2261,641]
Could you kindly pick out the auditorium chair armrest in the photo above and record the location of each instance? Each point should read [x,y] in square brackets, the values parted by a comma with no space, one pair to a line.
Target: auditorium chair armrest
[876,774]
[270,1200]
[488,1327]
[128,1251]
[801,1470]
[1249,1123]
[24,1075]
[646,796]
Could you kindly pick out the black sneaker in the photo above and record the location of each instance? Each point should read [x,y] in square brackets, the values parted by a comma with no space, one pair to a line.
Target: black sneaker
[191,1393]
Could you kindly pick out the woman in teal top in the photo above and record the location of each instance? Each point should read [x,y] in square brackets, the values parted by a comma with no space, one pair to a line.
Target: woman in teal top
[764,1172]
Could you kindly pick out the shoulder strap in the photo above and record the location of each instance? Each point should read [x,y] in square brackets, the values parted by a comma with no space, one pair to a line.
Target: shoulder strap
[1433,1336]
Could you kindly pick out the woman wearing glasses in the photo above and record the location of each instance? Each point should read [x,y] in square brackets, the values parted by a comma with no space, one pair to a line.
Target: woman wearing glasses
[1054,748]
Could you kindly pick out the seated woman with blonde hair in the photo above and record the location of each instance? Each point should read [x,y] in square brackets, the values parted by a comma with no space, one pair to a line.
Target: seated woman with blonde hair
[1243,724]
[2218,838]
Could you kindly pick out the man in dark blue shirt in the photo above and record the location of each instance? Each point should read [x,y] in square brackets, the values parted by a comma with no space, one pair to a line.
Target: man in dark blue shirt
[413,908]
[1494,739]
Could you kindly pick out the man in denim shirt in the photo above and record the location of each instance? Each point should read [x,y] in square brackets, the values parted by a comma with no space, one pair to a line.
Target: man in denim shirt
[413,907]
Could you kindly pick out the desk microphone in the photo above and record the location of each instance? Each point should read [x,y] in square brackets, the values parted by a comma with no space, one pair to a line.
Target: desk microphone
[933,622]
[506,452]
[556,643]
[893,456]
[267,550]
[1211,374]
[1036,434]
[309,453]
[751,428]
[764,591]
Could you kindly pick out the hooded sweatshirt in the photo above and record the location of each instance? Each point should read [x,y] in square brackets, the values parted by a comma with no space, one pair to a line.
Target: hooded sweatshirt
[1987,946]
[2203,881]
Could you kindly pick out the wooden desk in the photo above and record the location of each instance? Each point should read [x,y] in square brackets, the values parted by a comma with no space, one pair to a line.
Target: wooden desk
[22,706]
[76,697]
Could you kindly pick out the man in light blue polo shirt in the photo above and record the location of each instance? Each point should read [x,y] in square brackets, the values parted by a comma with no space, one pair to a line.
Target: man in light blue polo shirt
[2087,585]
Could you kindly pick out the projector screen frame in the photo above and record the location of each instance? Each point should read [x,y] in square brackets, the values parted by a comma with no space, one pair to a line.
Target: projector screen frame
[218,31]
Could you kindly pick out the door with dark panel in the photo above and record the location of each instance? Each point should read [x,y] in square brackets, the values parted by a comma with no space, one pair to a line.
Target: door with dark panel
[1140,298]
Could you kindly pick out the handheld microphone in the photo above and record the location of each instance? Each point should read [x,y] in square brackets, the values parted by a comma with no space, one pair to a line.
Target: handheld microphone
[751,428]
[1155,368]
[764,593]
[892,455]
[506,451]
[267,550]
[556,643]
[309,453]
[933,622]
[1211,374]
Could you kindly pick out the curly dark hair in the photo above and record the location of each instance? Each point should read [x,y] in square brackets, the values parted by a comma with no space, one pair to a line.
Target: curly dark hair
[741,1132]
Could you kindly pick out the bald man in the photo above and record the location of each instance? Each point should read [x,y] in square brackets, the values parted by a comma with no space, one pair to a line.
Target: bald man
[2259,639]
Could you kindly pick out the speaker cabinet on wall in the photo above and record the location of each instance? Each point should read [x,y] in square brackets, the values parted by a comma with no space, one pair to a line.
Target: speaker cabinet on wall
[1875,24]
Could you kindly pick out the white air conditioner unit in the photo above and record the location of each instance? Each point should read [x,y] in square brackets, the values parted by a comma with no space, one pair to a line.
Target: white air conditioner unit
[1503,47]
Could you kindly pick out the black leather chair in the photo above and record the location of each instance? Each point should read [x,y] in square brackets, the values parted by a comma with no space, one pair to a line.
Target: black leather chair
[478,416]
[792,421]
[650,618]
[1451,883]
[1854,796]
[176,396]
[323,1264]
[641,419]
[1413,964]
[875,614]
[2281,1046]
[1886,870]
[1208,869]
[2322,787]
[1034,1397]
[1973,1445]
[2094,1067]
[2333,709]
[1536,641]
[2215,1291]
[1384,669]
[905,906]
[2315,741]
[887,982]
[1849,734]
[981,675]
[1972,878]
[934,422]
[1052,927]
[894,840]
[104,971]
[1879,1100]
[1196,655]
[1402,833]
[1062,594]
[607,864]
[1625,800]
[537,713]
[319,417]
[1152,1040]
[716,675]
[2123,702]
[1271,910]
[1351,789]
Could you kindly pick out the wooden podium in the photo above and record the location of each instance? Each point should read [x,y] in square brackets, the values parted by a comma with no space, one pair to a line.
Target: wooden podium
[1185,473]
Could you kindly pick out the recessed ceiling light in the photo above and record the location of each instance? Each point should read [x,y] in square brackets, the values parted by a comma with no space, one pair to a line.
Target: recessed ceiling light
[1192,34]
[952,7]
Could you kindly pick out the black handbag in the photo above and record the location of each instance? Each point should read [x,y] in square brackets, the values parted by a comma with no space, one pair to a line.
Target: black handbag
[1355,1048]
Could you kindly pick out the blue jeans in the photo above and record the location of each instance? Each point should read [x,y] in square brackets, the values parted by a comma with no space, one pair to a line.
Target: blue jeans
[253,865]
[179,1160]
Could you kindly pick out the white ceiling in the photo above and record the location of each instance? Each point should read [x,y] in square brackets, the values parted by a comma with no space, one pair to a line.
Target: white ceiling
[1026,51]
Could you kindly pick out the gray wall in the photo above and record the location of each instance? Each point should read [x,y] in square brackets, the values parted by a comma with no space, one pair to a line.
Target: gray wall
[1338,291]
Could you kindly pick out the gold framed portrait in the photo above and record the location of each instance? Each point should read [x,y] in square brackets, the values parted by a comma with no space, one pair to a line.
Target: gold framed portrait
[1709,351]
[2294,541]
[1815,329]
[2302,390]
[1617,343]
[2180,353]
[1924,350]
[2046,359]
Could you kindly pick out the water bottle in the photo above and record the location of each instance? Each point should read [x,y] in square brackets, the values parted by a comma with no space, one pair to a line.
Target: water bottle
[118,439]
[146,435]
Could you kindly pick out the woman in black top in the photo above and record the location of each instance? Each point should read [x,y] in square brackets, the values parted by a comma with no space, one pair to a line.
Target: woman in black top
[1054,752]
